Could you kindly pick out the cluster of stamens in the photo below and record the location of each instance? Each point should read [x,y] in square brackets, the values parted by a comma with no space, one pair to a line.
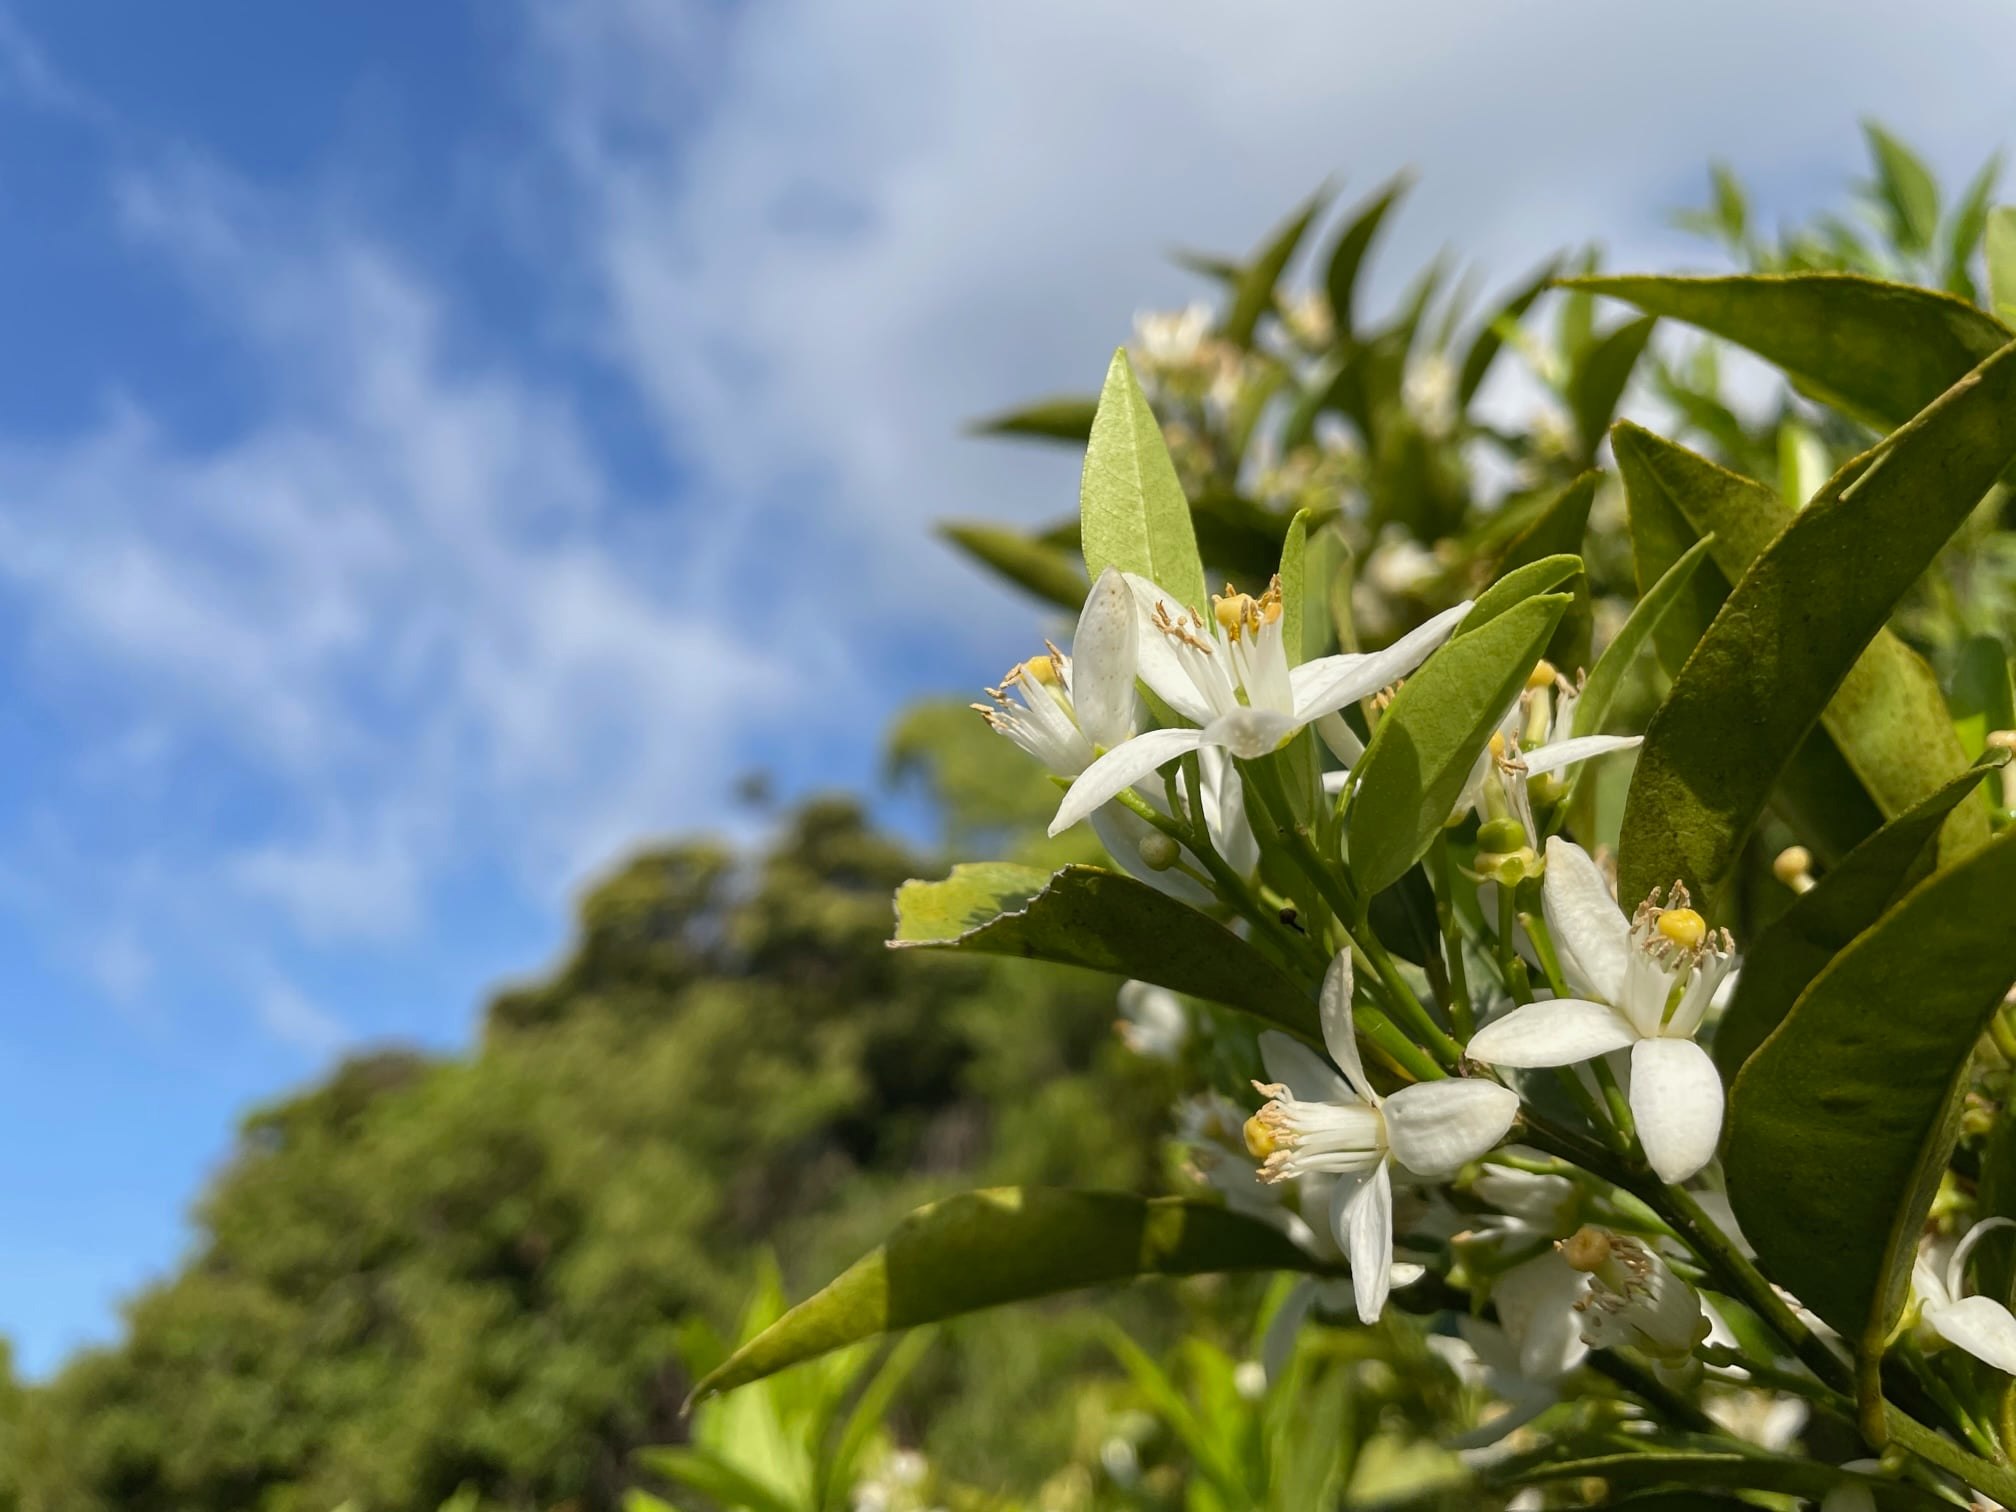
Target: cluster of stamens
[1241,614]
[1182,627]
[1673,934]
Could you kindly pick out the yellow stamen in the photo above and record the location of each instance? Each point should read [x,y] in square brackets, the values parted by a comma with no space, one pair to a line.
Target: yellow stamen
[1683,927]
[1542,675]
[1498,745]
[1040,669]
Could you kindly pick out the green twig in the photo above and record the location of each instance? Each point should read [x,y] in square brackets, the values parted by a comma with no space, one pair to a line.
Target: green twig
[1461,1010]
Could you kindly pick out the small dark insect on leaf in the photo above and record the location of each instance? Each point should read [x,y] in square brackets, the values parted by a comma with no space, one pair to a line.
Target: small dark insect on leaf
[1288,918]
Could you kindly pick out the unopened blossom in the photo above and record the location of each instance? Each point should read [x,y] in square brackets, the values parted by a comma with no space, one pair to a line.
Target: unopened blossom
[1229,676]
[1646,983]
[1535,1294]
[1980,1325]
[1633,1299]
[1064,710]
[1348,1131]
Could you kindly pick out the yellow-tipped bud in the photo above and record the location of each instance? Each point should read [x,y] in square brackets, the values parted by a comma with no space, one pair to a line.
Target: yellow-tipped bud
[1683,927]
[1586,1249]
[1794,867]
[1542,675]
[1260,1140]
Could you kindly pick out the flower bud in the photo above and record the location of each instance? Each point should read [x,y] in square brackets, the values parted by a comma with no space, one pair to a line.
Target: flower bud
[1500,836]
[1794,868]
[1158,851]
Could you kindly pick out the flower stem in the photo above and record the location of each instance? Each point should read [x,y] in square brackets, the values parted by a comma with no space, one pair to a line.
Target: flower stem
[1983,1475]
[1439,869]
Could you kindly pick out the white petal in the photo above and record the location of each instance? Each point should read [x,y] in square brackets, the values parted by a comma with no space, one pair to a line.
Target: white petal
[1928,1283]
[1293,1065]
[1102,661]
[1536,1303]
[1341,738]
[1591,934]
[1553,1032]
[1156,662]
[1361,1212]
[1327,684]
[1676,1098]
[1119,769]
[1250,733]
[1225,810]
[1956,1266]
[1557,754]
[1979,1325]
[1433,1127]
[1339,1037]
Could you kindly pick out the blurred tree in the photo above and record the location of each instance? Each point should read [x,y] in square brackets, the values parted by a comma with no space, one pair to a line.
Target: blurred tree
[424,1274]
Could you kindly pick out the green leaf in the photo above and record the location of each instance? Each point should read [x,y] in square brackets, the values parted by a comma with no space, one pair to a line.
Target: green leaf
[1132,513]
[1294,587]
[1517,586]
[836,1478]
[1428,739]
[1491,340]
[1597,384]
[1880,351]
[1822,921]
[1906,188]
[1084,916]
[1253,295]
[1557,529]
[1043,570]
[1982,700]
[1347,258]
[1068,417]
[1999,244]
[715,1478]
[1841,1123]
[1792,629]
[1969,222]
[1606,678]
[1008,1244]
[1731,1469]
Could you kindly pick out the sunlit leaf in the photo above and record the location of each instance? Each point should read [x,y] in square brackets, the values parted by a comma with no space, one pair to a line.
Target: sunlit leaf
[1906,188]
[1008,1244]
[1519,585]
[1084,916]
[1131,509]
[1597,384]
[1999,245]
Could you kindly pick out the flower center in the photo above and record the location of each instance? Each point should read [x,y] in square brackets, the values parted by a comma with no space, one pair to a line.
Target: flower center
[1038,669]
[1241,614]
[1683,926]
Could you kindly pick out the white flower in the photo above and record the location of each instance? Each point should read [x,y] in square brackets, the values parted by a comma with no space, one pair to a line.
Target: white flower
[1338,1125]
[1646,982]
[1532,741]
[1633,1298]
[1980,1325]
[1066,710]
[1152,1022]
[1171,338]
[1232,680]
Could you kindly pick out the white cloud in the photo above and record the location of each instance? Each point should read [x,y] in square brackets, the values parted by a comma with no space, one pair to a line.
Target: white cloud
[292,1018]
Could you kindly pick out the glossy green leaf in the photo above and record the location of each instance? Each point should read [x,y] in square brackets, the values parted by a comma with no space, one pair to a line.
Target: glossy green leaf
[1253,294]
[1347,257]
[1430,736]
[1491,340]
[1131,510]
[1085,916]
[1008,1244]
[1905,187]
[1822,921]
[1730,1469]
[1519,585]
[1792,629]
[1043,570]
[1841,1123]
[1606,678]
[1596,387]
[1068,417]
[1969,223]
[1999,246]
[1819,793]
[1880,351]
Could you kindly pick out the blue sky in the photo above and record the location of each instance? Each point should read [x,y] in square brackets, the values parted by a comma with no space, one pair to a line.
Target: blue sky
[443,445]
